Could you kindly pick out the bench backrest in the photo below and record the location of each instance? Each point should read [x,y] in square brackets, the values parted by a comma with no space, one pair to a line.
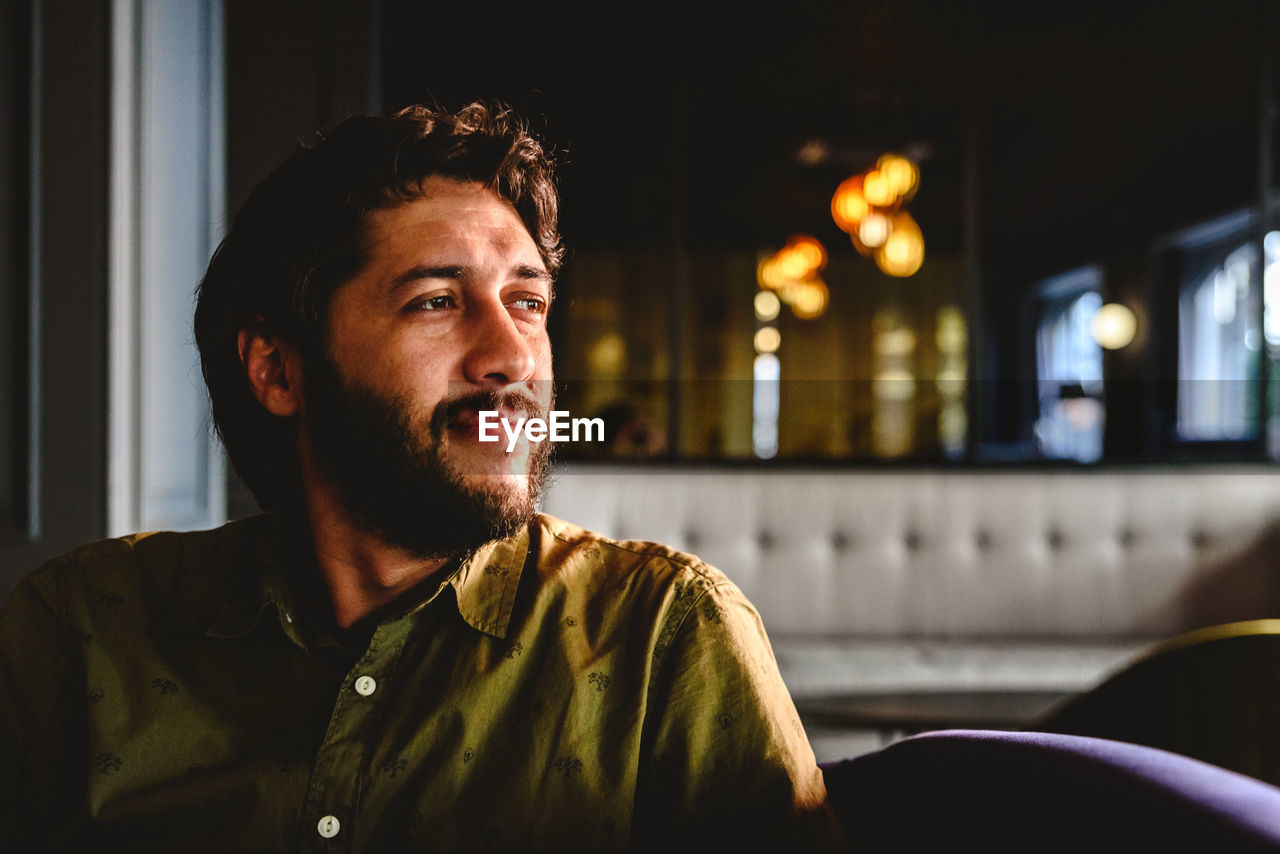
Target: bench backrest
[1141,552]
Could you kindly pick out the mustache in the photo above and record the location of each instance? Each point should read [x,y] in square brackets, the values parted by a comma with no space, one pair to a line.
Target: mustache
[453,411]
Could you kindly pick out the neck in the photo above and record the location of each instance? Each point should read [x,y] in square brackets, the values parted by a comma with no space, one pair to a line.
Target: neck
[362,572]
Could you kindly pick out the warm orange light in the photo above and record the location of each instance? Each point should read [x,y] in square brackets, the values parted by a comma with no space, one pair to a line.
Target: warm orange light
[791,265]
[901,175]
[791,275]
[877,189]
[769,275]
[903,249]
[848,205]
[809,299]
[810,251]
[802,256]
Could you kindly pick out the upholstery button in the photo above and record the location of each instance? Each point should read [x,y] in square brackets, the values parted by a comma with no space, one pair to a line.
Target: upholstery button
[366,685]
[1127,537]
[765,540]
[1200,540]
[328,827]
[982,540]
[911,540]
[840,541]
[1055,539]
[691,540]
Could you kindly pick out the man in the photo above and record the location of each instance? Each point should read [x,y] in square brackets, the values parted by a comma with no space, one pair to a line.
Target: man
[401,651]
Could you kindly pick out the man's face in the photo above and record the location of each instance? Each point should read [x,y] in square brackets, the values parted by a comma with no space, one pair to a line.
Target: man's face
[447,317]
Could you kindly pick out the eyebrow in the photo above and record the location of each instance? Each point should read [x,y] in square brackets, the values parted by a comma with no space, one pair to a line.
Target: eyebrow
[457,272]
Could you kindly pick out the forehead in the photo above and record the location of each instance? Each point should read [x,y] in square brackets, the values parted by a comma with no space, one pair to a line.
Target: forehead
[449,214]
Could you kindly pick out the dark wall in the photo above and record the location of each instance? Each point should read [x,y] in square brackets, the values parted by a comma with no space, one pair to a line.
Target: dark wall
[54,192]
[293,67]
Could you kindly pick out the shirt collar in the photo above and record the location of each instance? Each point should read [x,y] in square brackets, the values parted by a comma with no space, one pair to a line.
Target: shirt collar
[258,583]
[484,586]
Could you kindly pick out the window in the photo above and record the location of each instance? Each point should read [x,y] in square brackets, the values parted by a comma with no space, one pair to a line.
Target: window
[1069,369]
[879,371]
[1218,344]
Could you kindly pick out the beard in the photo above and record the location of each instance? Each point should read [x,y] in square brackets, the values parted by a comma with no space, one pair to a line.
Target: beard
[394,475]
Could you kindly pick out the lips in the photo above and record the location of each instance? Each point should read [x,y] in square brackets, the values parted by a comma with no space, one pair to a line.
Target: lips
[462,415]
[467,422]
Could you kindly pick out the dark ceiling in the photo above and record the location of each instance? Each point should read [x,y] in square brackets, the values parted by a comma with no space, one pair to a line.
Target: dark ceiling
[1071,132]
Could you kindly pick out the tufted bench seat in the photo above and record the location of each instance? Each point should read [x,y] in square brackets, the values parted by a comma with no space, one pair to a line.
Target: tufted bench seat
[875,582]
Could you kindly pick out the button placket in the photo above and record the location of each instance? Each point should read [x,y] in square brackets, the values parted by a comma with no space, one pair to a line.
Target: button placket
[352,733]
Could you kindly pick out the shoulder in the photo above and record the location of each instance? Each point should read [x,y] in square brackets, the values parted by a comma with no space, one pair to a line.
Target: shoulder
[167,564]
[566,546]
[678,588]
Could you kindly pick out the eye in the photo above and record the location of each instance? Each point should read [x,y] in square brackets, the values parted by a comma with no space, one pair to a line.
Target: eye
[535,305]
[434,303]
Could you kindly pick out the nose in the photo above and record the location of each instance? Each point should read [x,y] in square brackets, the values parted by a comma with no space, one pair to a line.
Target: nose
[498,352]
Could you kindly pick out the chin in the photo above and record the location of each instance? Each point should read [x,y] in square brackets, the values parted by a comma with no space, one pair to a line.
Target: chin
[506,484]
[498,475]
[489,463]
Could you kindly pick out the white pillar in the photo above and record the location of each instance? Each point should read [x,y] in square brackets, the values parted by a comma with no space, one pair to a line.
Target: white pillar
[165,468]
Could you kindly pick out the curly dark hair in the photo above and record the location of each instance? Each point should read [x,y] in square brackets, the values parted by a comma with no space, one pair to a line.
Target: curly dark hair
[302,234]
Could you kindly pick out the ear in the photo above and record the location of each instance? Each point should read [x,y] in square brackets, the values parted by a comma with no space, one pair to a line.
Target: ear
[274,370]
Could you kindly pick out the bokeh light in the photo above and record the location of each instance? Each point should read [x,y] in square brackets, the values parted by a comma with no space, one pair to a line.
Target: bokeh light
[952,335]
[768,339]
[608,355]
[792,263]
[901,175]
[877,189]
[873,231]
[894,384]
[868,206]
[767,305]
[899,341]
[1114,326]
[790,276]
[810,299]
[810,252]
[903,251]
[768,274]
[848,205]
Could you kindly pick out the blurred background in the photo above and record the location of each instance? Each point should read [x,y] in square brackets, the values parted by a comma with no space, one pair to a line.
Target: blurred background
[877,233]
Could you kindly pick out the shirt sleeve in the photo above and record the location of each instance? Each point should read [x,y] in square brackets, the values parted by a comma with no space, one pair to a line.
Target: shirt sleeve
[37,737]
[725,760]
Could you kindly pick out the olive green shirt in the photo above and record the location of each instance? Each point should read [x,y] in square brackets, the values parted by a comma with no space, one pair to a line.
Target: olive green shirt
[556,691]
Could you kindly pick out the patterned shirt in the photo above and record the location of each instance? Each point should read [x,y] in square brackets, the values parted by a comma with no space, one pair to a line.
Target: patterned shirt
[556,691]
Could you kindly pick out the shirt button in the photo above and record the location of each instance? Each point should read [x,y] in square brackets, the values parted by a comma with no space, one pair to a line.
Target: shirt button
[365,686]
[328,826]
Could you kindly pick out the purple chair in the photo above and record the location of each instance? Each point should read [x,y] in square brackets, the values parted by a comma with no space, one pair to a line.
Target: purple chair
[1032,791]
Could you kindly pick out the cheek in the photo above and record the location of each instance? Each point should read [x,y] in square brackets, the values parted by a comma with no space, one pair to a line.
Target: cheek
[415,361]
[543,373]
[542,346]
[395,369]
[423,382]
